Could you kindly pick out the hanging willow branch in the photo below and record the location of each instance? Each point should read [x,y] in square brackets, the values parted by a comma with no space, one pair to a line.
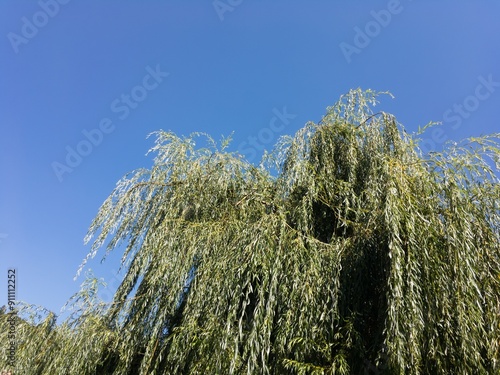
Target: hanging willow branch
[361,256]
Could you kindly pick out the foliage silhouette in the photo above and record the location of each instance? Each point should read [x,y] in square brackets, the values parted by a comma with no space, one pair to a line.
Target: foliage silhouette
[361,256]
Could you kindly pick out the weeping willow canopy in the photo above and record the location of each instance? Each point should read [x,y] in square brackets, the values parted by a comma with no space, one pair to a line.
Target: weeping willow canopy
[346,251]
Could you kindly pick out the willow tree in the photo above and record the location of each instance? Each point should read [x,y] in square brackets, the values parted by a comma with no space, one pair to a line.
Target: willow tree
[360,255]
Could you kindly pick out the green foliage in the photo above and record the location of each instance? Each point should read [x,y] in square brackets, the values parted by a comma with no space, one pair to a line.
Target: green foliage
[361,256]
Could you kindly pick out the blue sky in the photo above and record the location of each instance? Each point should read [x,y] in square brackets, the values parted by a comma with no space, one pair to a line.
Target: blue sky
[83,84]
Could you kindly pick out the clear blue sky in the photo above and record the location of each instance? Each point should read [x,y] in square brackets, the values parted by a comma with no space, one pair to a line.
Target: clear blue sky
[110,72]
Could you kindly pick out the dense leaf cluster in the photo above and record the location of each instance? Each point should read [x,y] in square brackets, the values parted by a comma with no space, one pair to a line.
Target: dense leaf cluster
[360,256]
